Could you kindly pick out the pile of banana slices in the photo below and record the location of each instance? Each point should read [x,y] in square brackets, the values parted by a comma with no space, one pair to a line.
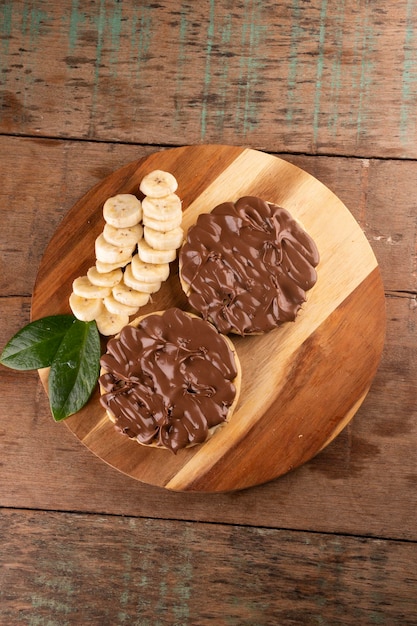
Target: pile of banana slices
[133,253]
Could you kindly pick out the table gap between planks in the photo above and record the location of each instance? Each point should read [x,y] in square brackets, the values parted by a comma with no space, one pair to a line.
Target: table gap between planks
[331,87]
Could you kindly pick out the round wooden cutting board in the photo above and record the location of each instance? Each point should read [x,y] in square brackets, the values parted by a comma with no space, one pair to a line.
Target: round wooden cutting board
[301,383]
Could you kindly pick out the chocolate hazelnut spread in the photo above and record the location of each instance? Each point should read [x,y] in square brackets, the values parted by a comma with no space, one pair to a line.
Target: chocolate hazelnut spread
[246,266]
[170,380]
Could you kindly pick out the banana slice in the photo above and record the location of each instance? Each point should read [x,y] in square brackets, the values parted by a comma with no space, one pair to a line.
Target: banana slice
[149,272]
[85,309]
[130,297]
[130,281]
[158,183]
[147,254]
[107,253]
[83,288]
[106,279]
[122,237]
[111,324]
[169,240]
[164,209]
[162,226]
[118,308]
[122,211]
[105,268]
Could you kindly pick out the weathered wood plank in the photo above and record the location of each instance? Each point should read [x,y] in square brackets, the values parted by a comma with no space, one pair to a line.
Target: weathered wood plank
[379,193]
[307,77]
[363,483]
[67,569]
[312,77]
[42,180]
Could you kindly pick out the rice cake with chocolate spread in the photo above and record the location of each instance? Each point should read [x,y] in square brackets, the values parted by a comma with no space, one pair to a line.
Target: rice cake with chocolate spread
[169,380]
[246,266]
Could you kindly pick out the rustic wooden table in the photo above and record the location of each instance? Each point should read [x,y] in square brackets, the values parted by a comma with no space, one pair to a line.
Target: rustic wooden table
[87,87]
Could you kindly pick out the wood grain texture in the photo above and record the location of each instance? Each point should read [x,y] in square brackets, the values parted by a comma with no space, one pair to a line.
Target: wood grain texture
[295,395]
[312,77]
[378,193]
[69,569]
[126,78]
[363,483]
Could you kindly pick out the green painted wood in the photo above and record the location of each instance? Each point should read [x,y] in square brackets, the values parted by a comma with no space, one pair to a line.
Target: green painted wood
[309,77]
[314,77]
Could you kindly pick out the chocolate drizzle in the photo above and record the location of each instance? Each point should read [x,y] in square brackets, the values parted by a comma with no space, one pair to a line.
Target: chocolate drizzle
[246,266]
[168,381]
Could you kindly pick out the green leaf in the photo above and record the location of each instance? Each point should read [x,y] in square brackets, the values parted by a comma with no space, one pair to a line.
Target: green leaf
[74,369]
[35,345]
